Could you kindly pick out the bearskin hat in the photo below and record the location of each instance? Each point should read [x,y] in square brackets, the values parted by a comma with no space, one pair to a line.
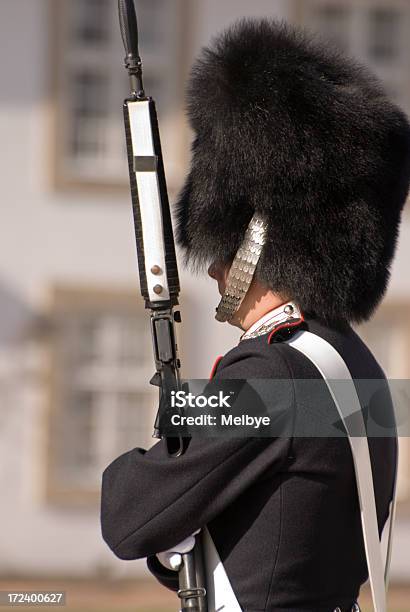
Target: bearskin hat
[286,126]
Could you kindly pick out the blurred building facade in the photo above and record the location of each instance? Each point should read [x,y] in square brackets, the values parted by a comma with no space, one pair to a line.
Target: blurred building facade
[75,353]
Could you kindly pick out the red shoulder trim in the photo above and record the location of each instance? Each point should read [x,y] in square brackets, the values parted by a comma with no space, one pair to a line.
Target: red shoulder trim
[285,326]
[215,367]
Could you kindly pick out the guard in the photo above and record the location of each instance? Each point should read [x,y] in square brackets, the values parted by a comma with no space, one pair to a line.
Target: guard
[300,171]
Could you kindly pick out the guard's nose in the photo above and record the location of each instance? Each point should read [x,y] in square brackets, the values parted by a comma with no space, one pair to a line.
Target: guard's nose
[213,271]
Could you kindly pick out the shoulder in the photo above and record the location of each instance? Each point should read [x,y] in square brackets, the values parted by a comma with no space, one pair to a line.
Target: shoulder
[261,358]
[254,358]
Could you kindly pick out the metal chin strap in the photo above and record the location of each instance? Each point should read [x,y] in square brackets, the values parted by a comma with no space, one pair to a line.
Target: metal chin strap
[243,269]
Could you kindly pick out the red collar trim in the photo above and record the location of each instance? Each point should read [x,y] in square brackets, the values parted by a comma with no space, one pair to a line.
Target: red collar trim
[285,326]
[215,367]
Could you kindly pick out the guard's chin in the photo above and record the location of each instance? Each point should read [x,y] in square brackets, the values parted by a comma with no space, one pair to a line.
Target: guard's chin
[235,322]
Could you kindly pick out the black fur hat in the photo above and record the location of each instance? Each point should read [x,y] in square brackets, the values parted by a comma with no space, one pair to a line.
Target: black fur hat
[288,127]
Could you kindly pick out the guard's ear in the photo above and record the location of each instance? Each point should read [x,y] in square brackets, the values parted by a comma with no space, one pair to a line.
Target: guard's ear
[219,270]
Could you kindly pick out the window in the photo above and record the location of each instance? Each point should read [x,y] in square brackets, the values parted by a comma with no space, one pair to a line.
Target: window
[90,21]
[384,34]
[154,29]
[333,21]
[91,83]
[89,115]
[369,30]
[101,402]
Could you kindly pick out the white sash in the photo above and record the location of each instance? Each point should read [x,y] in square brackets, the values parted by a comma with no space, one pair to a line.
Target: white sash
[333,369]
[330,364]
[220,595]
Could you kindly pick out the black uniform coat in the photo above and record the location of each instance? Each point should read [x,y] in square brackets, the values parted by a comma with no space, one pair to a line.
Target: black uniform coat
[283,512]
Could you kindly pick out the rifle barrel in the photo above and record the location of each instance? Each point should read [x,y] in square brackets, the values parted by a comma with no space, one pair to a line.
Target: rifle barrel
[129,34]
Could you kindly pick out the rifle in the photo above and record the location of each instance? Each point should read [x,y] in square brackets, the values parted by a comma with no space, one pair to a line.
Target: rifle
[157,265]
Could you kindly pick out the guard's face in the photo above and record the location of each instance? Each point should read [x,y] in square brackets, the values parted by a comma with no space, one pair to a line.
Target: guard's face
[219,271]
